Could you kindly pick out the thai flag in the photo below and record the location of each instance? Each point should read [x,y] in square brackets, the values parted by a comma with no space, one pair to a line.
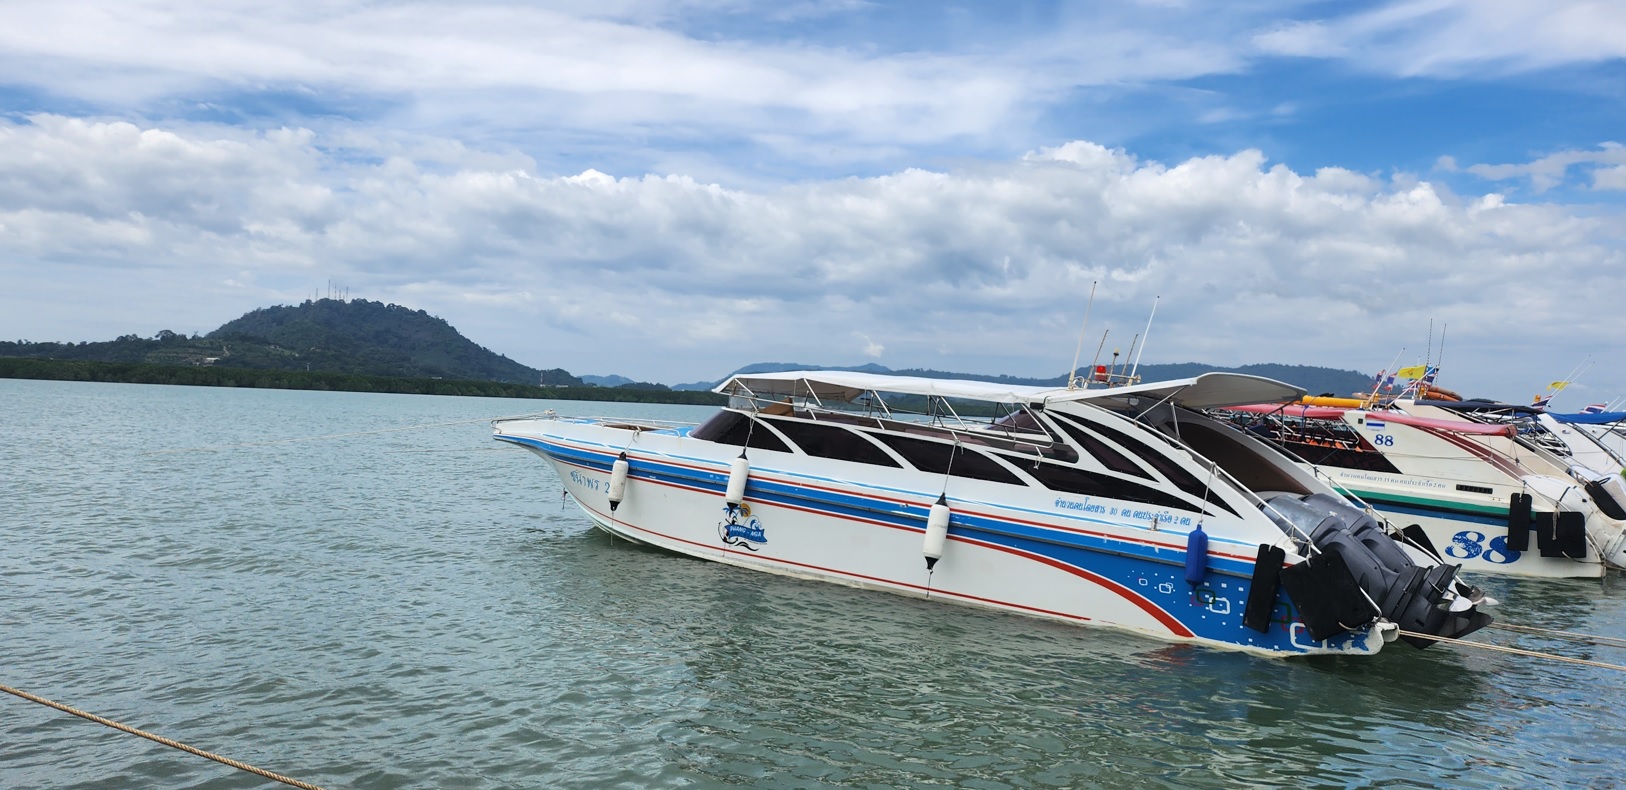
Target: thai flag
[1542,401]
[1596,408]
[1389,383]
[1376,424]
[1428,378]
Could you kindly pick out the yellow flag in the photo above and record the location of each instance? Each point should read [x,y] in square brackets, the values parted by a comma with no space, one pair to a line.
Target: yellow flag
[1413,372]
[1557,385]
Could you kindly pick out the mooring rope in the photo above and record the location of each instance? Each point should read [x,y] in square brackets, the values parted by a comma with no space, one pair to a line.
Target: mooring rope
[1607,641]
[1515,651]
[316,438]
[161,739]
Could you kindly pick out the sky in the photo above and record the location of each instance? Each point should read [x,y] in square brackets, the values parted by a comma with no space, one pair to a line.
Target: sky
[670,189]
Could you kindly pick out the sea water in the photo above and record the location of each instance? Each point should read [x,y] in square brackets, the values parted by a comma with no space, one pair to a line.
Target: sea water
[366,591]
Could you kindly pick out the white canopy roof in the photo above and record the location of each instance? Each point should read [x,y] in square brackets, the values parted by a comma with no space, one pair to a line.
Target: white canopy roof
[1205,391]
[1208,390]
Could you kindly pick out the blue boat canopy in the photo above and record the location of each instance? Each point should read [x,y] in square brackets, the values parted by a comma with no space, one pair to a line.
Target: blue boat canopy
[1599,418]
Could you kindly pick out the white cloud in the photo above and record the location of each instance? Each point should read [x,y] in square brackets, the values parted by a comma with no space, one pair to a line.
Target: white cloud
[630,70]
[687,85]
[621,66]
[1550,171]
[1609,177]
[1457,38]
[108,228]
[872,349]
[1301,39]
[612,68]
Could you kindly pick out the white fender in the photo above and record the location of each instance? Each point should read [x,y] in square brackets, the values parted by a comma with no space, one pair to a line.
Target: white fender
[937,522]
[618,481]
[738,472]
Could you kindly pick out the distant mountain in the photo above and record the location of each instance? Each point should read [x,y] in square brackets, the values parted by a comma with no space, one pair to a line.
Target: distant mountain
[694,386]
[353,336]
[1316,380]
[779,367]
[369,338]
[375,339]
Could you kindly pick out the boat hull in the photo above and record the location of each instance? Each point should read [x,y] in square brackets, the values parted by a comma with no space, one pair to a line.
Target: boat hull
[1057,566]
[1471,534]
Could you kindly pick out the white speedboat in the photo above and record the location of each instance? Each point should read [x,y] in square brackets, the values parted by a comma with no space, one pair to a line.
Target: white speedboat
[1469,489]
[1591,440]
[1608,429]
[1093,507]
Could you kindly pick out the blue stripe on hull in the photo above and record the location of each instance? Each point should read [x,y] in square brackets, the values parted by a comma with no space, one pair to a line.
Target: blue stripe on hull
[890,513]
[1211,611]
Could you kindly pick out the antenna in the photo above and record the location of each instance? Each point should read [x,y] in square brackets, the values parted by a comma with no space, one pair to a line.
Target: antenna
[1143,344]
[1072,372]
[1101,345]
[1441,361]
[1580,367]
[1428,358]
[1427,385]
[1374,396]
[1577,374]
[1558,386]
[1132,343]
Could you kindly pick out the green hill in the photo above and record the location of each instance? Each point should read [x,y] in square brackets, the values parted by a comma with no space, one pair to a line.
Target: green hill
[353,337]
[366,338]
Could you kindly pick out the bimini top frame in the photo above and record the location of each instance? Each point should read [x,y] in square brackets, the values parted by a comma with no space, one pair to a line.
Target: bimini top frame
[1206,391]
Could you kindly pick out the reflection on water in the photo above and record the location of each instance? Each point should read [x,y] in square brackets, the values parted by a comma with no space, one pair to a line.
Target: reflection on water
[841,686]
[417,609]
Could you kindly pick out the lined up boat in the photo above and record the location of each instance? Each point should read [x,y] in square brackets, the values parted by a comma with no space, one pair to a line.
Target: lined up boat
[1608,429]
[1124,507]
[1580,442]
[1489,488]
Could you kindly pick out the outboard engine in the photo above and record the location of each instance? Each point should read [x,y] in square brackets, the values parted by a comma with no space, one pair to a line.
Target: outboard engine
[1607,491]
[1357,574]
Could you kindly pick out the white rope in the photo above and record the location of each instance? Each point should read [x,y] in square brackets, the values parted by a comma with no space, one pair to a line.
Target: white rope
[1514,650]
[173,744]
[1608,641]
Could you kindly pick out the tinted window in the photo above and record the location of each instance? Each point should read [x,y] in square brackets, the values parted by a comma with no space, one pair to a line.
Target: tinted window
[1103,452]
[732,427]
[833,441]
[930,456]
[1343,457]
[1165,466]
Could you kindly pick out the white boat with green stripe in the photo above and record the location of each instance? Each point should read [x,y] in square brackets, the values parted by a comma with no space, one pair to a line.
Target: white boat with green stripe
[1473,492]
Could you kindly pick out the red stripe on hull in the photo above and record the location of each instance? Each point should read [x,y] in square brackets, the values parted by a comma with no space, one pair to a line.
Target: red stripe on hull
[1158,613]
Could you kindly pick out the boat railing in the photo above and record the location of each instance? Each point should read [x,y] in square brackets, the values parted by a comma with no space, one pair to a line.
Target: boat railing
[1248,494]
